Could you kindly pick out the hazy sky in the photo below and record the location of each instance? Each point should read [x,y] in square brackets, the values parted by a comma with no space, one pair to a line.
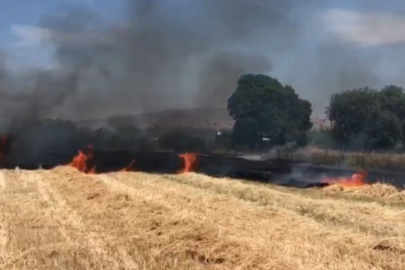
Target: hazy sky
[338,44]
[17,17]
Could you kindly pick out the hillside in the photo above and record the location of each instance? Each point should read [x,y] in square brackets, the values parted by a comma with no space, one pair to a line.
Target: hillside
[62,219]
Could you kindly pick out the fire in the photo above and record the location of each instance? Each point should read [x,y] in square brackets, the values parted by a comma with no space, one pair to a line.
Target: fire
[357,180]
[190,162]
[92,170]
[129,167]
[81,161]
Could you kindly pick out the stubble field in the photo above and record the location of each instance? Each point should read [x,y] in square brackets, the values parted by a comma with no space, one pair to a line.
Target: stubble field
[63,219]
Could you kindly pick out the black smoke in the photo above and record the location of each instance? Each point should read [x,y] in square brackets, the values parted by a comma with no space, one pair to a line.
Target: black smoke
[180,54]
[164,54]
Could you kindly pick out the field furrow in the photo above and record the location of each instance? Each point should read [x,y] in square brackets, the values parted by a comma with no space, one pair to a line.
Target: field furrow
[63,219]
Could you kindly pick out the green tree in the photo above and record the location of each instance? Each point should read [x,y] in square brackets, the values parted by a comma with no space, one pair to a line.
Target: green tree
[393,100]
[368,118]
[262,107]
[351,112]
[386,131]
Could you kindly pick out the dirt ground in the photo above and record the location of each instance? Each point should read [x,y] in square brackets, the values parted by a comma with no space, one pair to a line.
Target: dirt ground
[63,219]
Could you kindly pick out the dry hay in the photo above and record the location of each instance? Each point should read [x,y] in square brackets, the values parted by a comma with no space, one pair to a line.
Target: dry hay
[378,191]
[62,219]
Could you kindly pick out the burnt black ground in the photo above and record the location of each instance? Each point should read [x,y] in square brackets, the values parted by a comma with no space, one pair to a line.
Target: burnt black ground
[51,143]
[280,172]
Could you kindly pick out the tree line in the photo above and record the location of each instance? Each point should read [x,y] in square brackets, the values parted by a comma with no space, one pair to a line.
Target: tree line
[361,119]
[266,113]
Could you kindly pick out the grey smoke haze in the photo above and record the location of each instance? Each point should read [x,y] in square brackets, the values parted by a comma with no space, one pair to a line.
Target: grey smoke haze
[140,65]
[214,90]
[176,54]
[143,64]
[333,68]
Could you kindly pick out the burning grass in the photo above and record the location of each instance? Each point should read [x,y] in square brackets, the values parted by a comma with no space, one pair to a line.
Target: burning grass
[83,162]
[190,162]
[65,219]
[357,180]
[381,192]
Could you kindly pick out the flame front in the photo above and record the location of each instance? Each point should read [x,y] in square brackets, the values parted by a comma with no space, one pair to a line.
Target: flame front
[190,162]
[81,161]
[357,180]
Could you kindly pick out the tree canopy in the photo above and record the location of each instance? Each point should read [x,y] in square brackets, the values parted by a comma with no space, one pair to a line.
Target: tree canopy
[368,118]
[262,107]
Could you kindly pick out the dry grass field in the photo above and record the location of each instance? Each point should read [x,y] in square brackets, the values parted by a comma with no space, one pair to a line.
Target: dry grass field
[382,161]
[63,219]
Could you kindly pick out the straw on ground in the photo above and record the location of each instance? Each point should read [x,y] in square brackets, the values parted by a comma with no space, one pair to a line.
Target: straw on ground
[62,219]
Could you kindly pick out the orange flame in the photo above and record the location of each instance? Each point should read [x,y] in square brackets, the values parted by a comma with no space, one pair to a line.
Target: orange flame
[81,160]
[92,170]
[190,162]
[357,180]
[129,167]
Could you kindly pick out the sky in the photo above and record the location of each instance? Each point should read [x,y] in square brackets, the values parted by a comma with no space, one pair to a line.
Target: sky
[341,43]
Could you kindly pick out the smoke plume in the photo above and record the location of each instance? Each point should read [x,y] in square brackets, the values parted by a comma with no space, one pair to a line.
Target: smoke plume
[176,54]
[165,54]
